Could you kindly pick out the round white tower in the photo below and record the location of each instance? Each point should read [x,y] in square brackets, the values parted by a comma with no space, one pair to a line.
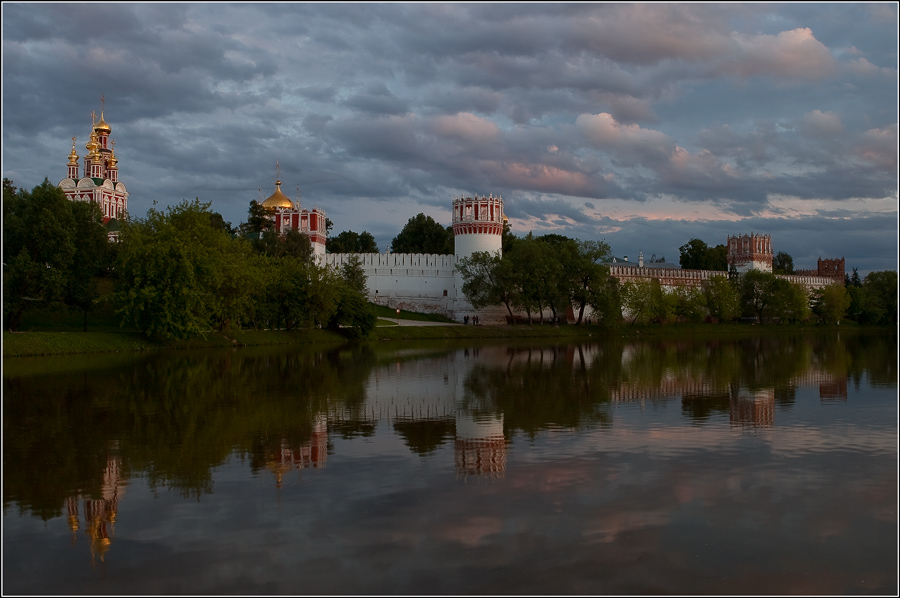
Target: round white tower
[477,225]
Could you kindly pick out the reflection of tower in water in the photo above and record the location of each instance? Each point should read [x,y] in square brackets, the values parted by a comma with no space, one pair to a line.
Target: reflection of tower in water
[480,447]
[310,454]
[99,514]
[754,409]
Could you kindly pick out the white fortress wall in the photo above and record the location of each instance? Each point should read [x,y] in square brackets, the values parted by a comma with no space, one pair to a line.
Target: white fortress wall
[422,282]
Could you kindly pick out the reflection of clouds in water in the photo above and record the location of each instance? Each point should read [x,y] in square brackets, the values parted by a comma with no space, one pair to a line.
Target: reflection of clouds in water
[471,531]
[651,502]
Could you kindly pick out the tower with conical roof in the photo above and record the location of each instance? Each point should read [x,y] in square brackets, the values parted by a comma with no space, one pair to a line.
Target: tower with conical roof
[100,180]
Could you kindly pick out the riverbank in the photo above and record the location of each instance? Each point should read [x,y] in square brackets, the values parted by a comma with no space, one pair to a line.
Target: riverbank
[20,344]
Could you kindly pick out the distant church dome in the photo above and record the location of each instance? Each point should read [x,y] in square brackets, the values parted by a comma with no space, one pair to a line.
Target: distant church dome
[278,199]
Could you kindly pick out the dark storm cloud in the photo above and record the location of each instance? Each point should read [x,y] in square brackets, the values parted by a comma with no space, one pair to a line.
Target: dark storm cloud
[739,113]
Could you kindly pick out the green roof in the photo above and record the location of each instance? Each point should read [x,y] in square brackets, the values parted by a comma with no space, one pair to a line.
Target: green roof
[97,180]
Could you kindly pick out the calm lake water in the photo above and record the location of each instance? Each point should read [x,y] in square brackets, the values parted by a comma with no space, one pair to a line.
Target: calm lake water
[747,466]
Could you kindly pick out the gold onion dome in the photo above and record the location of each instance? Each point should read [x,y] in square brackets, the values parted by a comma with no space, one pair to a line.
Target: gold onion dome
[278,199]
[93,146]
[112,156]
[102,125]
[73,155]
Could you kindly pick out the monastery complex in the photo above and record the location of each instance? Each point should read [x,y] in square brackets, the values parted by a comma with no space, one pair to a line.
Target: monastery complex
[416,282]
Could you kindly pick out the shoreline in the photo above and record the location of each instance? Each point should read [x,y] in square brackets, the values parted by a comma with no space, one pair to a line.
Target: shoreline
[32,344]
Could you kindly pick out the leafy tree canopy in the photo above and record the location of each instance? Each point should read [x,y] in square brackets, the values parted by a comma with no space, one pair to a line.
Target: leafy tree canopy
[52,249]
[783,263]
[697,255]
[171,268]
[351,242]
[422,234]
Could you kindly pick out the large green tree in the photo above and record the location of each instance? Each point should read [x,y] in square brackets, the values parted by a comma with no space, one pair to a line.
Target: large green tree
[790,301]
[606,302]
[588,275]
[722,299]
[879,298]
[304,293]
[171,271]
[39,248]
[831,303]
[354,275]
[645,301]
[92,253]
[291,243]
[422,234]
[783,263]
[259,220]
[487,280]
[757,293]
[697,255]
[351,242]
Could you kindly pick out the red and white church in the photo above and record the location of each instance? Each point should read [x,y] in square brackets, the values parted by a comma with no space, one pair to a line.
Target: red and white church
[99,181]
[290,215]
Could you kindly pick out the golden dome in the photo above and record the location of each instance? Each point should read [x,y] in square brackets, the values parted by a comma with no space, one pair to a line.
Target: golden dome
[73,155]
[102,125]
[112,157]
[278,199]
[93,146]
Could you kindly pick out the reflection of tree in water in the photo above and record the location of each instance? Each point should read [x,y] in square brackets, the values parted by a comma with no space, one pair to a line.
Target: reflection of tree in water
[701,407]
[538,388]
[174,416]
[424,436]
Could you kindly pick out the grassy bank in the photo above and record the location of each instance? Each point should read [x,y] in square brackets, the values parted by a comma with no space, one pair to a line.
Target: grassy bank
[387,313]
[63,343]
[18,344]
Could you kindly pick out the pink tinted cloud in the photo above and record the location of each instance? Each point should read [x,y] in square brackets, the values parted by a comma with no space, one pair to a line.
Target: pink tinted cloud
[697,169]
[650,33]
[879,146]
[602,129]
[789,54]
[541,177]
[821,124]
[466,126]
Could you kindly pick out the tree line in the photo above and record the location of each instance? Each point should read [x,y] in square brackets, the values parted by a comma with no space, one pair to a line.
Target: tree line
[184,271]
[178,272]
[421,234]
[549,273]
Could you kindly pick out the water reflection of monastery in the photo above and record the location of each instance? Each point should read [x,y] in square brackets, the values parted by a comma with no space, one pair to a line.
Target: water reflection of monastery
[427,415]
[404,396]
[99,513]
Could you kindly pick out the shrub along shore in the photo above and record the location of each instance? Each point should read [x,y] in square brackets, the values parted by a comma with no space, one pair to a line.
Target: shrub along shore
[20,344]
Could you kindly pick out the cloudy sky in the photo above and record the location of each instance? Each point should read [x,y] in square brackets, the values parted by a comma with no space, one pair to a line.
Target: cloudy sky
[644,125]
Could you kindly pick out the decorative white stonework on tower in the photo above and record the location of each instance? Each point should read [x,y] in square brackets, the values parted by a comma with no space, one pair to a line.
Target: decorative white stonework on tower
[289,215]
[477,225]
[750,252]
[100,182]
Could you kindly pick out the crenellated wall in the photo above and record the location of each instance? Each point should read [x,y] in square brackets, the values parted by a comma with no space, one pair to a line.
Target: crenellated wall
[668,277]
[672,277]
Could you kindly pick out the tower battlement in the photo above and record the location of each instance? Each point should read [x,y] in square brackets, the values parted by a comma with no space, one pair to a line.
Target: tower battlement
[477,224]
[750,252]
